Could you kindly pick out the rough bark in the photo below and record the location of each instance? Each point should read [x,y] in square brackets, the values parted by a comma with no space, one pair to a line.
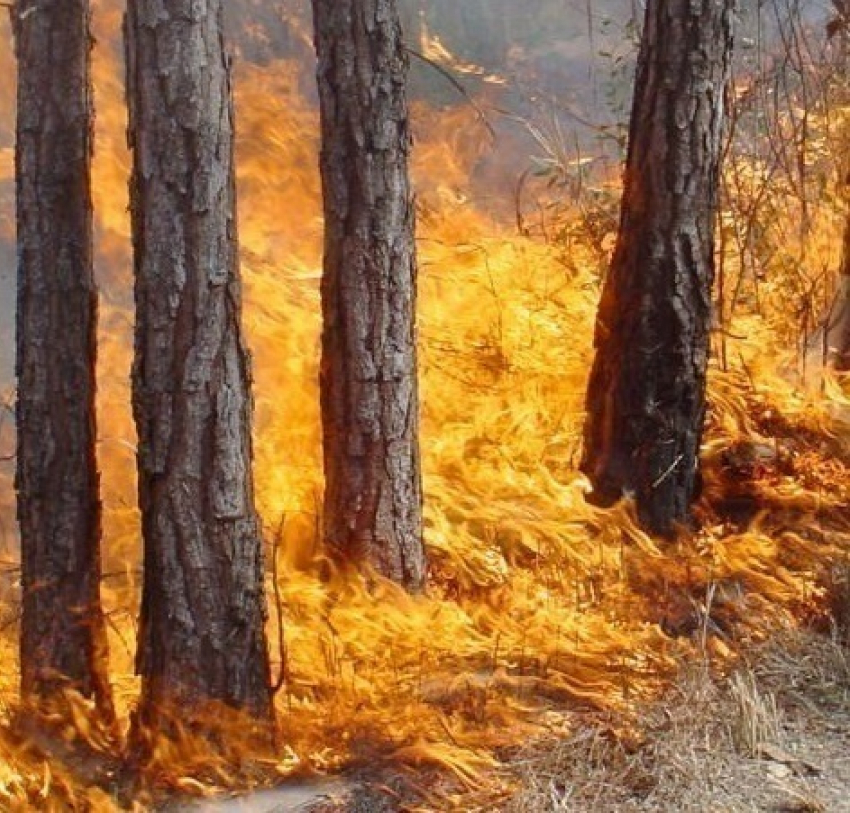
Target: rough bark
[203,608]
[369,393]
[63,639]
[646,396]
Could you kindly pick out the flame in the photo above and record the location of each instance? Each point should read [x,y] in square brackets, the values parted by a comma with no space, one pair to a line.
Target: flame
[434,49]
[539,602]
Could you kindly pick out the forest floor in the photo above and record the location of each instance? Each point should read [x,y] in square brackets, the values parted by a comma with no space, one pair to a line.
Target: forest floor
[773,734]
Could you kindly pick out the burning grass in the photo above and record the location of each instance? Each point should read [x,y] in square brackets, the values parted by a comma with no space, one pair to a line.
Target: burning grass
[542,609]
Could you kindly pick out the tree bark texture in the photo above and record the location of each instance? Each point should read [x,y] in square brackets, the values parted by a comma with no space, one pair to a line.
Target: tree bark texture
[646,396]
[369,391]
[63,639]
[203,607]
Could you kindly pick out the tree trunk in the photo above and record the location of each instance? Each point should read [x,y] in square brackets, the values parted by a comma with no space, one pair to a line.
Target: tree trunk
[646,396]
[369,391]
[203,607]
[63,638]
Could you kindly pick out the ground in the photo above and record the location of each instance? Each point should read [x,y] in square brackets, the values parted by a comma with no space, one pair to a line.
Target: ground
[771,733]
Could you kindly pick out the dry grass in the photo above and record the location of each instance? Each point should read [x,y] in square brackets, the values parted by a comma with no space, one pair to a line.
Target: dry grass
[755,720]
[674,749]
[768,737]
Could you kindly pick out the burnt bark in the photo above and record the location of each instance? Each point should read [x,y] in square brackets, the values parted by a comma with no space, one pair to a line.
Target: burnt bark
[203,607]
[63,638]
[646,395]
[369,391]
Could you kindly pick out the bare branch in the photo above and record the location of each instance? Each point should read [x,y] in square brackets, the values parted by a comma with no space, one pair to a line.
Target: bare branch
[278,601]
[482,116]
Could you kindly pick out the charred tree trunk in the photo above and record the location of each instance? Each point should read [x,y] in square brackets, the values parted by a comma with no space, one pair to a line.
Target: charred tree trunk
[369,391]
[63,639]
[646,396]
[203,608]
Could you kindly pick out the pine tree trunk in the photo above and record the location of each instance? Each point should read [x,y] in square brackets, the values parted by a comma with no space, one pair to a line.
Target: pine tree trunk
[646,396]
[369,392]
[63,639]
[203,607]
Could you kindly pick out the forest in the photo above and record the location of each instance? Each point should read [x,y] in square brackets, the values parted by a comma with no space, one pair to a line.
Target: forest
[425,405]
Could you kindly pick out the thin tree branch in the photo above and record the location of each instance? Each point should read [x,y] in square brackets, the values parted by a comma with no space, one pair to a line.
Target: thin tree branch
[278,600]
[482,116]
